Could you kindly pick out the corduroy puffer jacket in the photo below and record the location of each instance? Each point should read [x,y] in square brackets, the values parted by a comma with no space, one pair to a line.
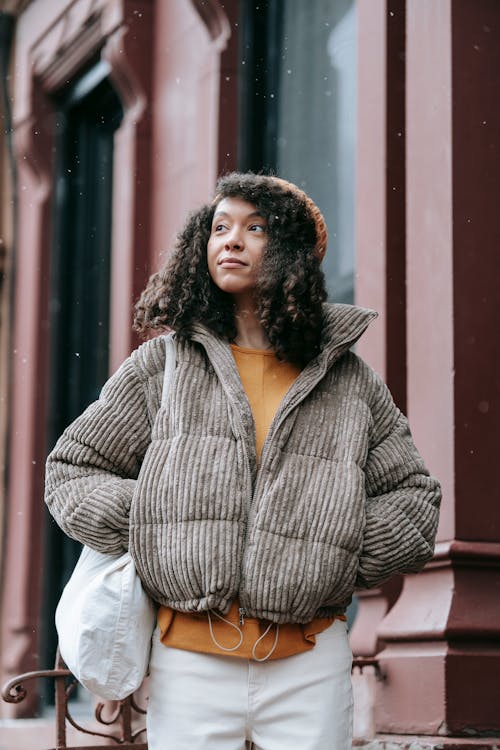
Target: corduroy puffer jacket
[340,499]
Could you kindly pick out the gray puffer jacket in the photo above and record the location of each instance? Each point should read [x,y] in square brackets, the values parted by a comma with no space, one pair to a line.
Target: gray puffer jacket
[341,497]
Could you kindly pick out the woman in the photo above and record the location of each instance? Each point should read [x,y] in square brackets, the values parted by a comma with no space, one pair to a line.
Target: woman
[279,476]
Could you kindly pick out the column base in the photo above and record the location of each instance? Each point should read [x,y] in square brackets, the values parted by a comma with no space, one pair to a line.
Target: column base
[428,687]
[441,658]
[416,742]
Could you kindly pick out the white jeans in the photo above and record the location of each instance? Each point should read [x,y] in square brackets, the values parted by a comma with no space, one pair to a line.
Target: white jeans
[207,702]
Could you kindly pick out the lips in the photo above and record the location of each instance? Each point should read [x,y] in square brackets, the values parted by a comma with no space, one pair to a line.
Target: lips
[230,262]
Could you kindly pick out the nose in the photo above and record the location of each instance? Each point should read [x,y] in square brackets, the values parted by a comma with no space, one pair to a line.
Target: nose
[234,238]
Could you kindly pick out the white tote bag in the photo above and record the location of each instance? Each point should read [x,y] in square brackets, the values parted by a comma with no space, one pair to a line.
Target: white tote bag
[105,619]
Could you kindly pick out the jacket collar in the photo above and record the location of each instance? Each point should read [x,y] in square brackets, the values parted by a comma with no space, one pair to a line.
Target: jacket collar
[343,326]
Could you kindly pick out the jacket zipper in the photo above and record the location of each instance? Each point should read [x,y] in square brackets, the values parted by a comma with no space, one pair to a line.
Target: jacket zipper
[242,610]
[279,418]
[242,613]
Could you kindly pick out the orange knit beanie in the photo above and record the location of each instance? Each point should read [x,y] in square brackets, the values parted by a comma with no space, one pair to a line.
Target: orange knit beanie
[311,207]
[321,230]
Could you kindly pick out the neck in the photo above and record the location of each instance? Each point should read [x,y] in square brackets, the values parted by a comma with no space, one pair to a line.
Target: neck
[250,333]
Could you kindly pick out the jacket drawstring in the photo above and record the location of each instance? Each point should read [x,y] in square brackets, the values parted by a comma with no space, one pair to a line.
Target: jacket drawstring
[270,653]
[214,639]
[239,630]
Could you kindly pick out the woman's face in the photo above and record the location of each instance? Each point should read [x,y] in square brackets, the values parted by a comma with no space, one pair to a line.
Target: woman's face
[234,251]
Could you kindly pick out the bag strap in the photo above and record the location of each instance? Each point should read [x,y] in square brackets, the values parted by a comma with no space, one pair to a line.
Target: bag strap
[170,363]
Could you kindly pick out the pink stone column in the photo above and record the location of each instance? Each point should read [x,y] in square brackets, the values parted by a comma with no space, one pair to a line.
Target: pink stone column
[53,44]
[190,37]
[442,654]
[380,228]
[380,264]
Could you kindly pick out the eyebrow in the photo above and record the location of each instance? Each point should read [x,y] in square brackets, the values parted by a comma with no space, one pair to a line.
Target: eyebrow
[249,216]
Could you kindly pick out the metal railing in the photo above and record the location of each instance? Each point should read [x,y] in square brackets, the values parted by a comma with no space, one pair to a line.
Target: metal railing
[117,728]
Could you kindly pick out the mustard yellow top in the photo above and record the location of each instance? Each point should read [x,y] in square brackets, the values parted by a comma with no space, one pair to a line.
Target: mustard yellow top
[265,380]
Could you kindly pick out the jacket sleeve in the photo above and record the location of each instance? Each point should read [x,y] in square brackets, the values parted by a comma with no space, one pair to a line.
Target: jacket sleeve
[91,472]
[402,499]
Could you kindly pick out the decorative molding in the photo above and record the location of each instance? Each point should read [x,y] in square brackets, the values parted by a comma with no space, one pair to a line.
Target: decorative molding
[77,34]
[15,7]
[123,76]
[473,554]
[56,67]
[37,159]
[215,20]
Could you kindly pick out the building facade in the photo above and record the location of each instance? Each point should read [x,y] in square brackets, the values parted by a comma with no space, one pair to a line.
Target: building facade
[386,111]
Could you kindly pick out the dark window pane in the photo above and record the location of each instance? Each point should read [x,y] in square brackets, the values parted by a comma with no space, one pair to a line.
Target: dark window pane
[87,115]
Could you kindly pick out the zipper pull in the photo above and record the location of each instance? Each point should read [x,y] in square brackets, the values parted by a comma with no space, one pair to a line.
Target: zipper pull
[241,613]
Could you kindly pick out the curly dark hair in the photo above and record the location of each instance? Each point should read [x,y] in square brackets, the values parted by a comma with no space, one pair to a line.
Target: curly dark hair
[290,288]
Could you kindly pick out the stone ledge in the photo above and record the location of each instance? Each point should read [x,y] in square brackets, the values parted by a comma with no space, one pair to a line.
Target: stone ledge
[412,742]
[28,734]
[35,734]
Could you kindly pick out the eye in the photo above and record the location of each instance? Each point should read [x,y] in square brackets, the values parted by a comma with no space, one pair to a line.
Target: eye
[257,228]
[218,227]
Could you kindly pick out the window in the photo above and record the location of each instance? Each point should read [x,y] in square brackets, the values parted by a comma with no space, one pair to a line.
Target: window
[87,114]
[298,112]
